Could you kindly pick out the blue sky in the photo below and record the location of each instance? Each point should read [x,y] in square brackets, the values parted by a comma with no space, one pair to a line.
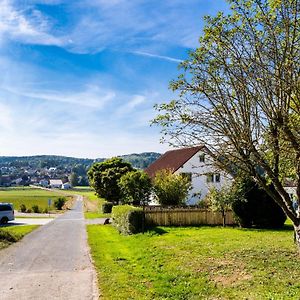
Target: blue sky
[80,78]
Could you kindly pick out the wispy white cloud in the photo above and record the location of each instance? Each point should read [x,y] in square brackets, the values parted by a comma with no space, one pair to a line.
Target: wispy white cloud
[32,29]
[168,58]
[92,96]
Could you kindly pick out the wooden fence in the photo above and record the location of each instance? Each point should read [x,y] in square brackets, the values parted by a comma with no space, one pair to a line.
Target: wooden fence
[159,216]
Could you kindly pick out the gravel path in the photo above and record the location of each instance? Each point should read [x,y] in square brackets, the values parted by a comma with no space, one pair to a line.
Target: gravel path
[52,262]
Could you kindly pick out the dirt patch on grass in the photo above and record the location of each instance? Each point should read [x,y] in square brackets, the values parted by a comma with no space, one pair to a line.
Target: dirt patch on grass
[226,272]
[90,206]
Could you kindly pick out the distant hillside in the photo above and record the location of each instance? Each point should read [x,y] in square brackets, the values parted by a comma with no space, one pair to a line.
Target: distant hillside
[141,161]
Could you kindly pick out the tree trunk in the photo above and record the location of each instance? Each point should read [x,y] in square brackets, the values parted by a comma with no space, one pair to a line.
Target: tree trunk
[297,236]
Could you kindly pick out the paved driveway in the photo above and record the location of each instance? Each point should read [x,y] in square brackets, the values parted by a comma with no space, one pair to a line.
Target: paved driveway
[52,262]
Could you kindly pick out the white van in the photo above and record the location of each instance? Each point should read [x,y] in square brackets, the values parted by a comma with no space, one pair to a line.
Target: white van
[6,213]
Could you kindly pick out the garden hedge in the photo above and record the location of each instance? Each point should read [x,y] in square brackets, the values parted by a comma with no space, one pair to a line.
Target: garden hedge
[127,219]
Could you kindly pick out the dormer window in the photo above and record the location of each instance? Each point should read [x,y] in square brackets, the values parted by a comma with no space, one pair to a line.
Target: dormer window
[202,157]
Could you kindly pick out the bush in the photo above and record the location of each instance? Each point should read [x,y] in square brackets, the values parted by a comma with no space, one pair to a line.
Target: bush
[127,219]
[29,210]
[135,187]
[107,207]
[45,211]
[171,189]
[59,203]
[22,208]
[256,208]
[35,209]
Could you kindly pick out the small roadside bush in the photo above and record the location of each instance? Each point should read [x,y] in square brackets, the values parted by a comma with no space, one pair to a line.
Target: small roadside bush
[22,208]
[107,207]
[59,203]
[36,209]
[127,219]
[45,211]
[29,210]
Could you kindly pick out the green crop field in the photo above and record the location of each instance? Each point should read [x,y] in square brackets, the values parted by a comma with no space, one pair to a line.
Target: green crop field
[29,197]
[196,263]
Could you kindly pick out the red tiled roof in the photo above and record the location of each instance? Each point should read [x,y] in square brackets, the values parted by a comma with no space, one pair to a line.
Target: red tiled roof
[172,160]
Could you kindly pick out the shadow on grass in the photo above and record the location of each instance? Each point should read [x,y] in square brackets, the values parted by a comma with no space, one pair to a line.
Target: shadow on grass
[156,230]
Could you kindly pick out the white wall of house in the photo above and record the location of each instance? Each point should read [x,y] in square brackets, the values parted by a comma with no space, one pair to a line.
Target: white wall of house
[204,176]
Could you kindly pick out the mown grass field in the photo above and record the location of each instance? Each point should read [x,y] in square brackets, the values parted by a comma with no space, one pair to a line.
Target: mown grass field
[29,196]
[12,234]
[196,263]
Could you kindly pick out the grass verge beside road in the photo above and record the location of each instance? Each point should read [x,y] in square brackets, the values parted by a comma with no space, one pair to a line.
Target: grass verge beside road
[196,263]
[12,234]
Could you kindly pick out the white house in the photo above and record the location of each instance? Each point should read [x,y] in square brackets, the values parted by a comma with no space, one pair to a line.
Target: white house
[66,186]
[197,164]
[55,183]
[44,183]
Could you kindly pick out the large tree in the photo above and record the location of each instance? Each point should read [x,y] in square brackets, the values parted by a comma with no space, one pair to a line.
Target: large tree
[104,178]
[240,95]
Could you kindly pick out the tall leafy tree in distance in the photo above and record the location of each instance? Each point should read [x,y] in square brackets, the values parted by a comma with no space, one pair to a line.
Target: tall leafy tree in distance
[240,95]
[104,178]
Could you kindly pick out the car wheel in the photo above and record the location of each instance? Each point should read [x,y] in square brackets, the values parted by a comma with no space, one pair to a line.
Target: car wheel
[4,220]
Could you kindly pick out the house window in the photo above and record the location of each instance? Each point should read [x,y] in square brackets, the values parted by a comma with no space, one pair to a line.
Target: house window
[210,177]
[213,177]
[202,157]
[187,175]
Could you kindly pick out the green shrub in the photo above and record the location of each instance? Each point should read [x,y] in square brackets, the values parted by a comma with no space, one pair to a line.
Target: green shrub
[45,211]
[107,207]
[59,203]
[255,207]
[127,219]
[36,209]
[22,208]
[29,210]
[171,189]
[135,187]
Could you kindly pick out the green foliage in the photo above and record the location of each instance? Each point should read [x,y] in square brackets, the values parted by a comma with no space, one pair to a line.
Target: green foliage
[127,219]
[220,200]
[59,203]
[254,207]
[171,189]
[135,187]
[22,208]
[73,179]
[107,207]
[104,178]
[36,209]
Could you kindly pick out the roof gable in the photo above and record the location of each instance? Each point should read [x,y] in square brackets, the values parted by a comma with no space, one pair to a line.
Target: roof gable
[173,159]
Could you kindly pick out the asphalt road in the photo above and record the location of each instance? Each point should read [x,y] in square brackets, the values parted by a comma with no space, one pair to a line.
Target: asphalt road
[52,262]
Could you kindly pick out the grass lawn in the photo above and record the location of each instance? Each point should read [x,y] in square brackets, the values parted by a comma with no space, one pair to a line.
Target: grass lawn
[29,196]
[12,234]
[196,263]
